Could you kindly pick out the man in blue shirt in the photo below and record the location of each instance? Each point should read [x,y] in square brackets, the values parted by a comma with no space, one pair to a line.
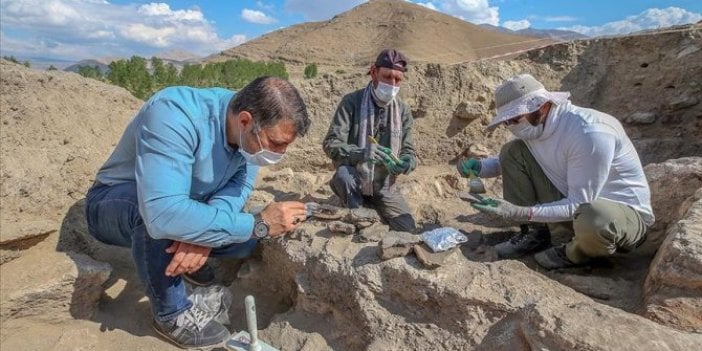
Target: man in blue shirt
[174,188]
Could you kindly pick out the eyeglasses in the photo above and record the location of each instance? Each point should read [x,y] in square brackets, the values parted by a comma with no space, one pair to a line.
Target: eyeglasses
[518,119]
[514,120]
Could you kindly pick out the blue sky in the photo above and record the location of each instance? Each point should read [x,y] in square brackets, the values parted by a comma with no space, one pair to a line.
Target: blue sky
[78,29]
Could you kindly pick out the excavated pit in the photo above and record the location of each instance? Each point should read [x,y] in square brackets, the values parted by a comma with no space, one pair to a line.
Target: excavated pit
[317,290]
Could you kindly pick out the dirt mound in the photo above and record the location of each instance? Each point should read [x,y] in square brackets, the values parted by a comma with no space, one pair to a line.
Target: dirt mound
[57,130]
[356,36]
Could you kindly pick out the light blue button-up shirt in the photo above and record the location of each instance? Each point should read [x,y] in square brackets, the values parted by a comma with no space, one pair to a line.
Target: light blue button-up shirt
[191,184]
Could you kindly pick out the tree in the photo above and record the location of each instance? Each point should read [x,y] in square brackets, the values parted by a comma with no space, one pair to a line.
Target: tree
[10,58]
[310,71]
[52,68]
[27,64]
[90,72]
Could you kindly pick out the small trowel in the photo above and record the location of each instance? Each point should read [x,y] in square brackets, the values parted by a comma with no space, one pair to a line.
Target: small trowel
[244,341]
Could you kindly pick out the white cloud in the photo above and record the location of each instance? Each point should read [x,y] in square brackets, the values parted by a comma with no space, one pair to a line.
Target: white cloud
[516,25]
[428,5]
[257,17]
[164,10]
[320,9]
[78,29]
[475,11]
[560,19]
[649,19]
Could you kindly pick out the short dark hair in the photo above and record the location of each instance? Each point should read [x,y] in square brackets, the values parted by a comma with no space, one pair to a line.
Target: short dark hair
[271,100]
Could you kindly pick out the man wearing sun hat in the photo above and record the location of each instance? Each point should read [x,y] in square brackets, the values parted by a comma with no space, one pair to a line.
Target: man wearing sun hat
[370,143]
[566,163]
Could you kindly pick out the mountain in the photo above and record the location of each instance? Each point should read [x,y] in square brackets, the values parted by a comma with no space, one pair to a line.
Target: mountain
[101,65]
[178,58]
[555,34]
[356,36]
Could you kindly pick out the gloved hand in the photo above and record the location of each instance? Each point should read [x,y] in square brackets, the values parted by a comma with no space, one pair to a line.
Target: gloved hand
[379,154]
[504,209]
[402,166]
[467,166]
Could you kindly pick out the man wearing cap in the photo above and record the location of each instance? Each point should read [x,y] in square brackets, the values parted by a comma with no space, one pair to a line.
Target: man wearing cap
[370,143]
[566,164]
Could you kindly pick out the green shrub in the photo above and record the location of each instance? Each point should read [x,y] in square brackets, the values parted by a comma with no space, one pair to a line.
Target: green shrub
[134,76]
[310,71]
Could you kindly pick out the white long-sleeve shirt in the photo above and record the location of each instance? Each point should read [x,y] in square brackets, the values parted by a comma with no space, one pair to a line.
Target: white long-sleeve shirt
[587,155]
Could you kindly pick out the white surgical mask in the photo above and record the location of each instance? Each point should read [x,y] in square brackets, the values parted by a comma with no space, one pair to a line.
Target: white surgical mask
[525,131]
[386,92]
[263,157]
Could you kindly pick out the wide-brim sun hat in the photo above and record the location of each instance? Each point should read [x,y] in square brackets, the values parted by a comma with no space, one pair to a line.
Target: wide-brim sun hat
[520,95]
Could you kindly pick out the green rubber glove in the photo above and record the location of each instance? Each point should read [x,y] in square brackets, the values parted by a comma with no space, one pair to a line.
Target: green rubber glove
[378,153]
[503,208]
[401,167]
[467,166]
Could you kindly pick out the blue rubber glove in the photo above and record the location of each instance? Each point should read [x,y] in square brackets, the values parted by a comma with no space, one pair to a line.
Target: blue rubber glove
[467,166]
[504,209]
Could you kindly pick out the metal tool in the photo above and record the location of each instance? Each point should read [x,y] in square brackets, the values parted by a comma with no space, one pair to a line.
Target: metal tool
[244,341]
[476,198]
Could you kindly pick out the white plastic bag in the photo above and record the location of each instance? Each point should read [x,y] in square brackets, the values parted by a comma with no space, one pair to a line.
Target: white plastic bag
[442,239]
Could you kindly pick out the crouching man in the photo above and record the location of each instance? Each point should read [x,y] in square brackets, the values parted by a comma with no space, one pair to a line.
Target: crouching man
[370,143]
[567,163]
[174,188]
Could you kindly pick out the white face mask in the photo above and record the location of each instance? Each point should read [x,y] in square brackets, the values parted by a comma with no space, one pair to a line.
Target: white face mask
[263,157]
[525,131]
[386,92]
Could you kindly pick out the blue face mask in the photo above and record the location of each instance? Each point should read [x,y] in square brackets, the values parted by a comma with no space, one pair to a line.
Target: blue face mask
[261,158]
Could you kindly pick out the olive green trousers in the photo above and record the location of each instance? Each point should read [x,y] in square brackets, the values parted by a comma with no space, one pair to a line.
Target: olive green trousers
[600,228]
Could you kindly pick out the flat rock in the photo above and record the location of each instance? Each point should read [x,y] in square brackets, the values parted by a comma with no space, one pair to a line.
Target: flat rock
[673,288]
[52,286]
[432,259]
[671,182]
[399,244]
[21,234]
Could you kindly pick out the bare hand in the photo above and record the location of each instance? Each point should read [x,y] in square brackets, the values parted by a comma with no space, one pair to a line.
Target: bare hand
[283,217]
[188,258]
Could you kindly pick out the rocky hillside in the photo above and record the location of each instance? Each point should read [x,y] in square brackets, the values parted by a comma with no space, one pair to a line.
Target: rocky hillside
[356,36]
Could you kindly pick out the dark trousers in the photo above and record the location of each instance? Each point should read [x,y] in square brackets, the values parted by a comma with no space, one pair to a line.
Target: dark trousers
[113,218]
[390,204]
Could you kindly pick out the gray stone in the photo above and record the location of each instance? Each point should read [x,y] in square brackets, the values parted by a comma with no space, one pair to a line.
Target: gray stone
[397,244]
[469,111]
[683,102]
[673,288]
[54,287]
[641,118]
[671,183]
[341,227]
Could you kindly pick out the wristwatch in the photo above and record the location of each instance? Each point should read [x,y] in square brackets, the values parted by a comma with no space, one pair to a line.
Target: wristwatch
[261,228]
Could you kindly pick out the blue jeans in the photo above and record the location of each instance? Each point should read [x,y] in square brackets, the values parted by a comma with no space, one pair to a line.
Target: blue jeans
[113,218]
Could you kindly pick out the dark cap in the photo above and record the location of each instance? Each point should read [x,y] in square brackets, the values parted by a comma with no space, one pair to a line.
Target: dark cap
[393,59]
